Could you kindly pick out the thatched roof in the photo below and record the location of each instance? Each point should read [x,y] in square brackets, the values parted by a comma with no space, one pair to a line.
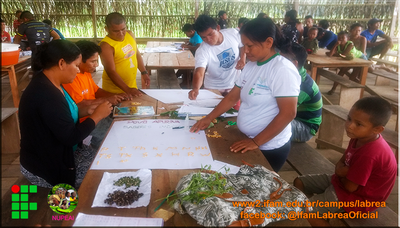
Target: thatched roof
[164,18]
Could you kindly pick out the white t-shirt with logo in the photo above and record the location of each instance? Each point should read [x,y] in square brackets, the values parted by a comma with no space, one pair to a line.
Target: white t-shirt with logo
[220,61]
[261,84]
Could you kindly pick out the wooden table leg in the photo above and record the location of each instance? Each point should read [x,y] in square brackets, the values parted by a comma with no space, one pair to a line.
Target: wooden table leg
[363,78]
[314,72]
[14,86]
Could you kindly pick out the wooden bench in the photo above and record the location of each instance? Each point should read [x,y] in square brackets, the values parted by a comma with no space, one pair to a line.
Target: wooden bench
[306,160]
[331,130]
[166,79]
[43,214]
[10,137]
[350,91]
[387,62]
[384,77]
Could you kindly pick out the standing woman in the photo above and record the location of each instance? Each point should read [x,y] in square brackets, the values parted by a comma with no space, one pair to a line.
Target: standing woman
[50,131]
[268,88]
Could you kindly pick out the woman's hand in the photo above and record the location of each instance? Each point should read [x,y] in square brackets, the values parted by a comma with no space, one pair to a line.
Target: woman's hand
[244,146]
[200,125]
[101,112]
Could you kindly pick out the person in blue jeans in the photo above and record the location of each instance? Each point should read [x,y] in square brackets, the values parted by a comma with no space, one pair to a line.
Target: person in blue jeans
[326,39]
[372,33]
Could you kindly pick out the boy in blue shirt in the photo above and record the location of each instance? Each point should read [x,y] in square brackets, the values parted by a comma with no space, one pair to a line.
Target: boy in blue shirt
[372,33]
[47,21]
[194,41]
[327,39]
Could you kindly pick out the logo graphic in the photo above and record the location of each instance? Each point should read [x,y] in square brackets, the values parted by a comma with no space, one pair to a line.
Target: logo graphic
[20,205]
[62,198]
[226,58]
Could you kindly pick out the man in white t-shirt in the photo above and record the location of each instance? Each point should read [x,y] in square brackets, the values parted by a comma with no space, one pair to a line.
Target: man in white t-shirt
[218,59]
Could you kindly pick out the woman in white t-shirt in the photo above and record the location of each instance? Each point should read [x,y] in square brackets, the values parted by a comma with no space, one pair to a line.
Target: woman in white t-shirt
[268,88]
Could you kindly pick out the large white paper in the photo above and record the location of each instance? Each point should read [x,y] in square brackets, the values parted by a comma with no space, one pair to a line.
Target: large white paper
[153,144]
[107,186]
[192,110]
[169,96]
[209,103]
[100,220]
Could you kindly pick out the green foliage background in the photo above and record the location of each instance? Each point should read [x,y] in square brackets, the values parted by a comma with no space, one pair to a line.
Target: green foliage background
[164,18]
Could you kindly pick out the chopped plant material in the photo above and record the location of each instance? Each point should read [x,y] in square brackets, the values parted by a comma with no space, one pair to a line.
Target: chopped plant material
[122,198]
[202,187]
[231,111]
[171,114]
[128,182]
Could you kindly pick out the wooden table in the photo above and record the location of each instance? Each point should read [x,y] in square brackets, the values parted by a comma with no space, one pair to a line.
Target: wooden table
[10,136]
[321,60]
[164,181]
[155,61]
[13,79]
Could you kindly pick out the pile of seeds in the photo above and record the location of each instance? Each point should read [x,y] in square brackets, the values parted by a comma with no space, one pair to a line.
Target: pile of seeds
[122,198]
[128,181]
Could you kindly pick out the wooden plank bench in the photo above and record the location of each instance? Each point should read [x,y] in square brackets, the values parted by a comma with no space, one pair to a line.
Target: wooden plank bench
[384,77]
[166,79]
[350,91]
[43,214]
[331,130]
[10,137]
[306,160]
[387,62]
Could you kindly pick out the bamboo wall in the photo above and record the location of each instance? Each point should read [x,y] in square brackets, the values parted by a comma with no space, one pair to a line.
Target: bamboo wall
[164,18]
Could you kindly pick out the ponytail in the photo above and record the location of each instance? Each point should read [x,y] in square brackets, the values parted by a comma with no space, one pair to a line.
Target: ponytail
[49,54]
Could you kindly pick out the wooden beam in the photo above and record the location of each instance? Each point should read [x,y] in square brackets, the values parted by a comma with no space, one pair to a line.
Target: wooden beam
[394,19]
[94,21]
[196,9]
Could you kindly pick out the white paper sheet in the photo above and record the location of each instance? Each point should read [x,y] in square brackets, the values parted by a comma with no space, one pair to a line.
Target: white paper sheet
[209,103]
[220,167]
[192,110]
[162,49]
[169,96]
[100,220]
[153,144]
[107,186]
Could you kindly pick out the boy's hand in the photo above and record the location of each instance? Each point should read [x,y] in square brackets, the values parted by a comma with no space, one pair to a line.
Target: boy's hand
[200,125]
[341,169]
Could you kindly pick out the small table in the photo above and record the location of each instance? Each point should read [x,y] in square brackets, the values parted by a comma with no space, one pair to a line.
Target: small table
[13,79]
[184,60]
[321,60]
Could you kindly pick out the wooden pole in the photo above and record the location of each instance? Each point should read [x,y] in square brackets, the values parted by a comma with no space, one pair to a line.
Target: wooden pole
[394,19]
[196,9]
[94,22]
[296,5]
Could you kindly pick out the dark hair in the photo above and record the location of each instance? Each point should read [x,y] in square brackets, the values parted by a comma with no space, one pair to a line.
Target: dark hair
[298,51]
[320,31]
[377,108]
[292,14]
[88,49]
[259,29]
[243,21]
[67,193]
[203,22]
[18,11]
[343,33]
[221,13]
[312,29]
[2,21]
[114,18]
[47,21]
[262,15]
[187,28]
[308,17]
[355,25]
[27,15]
[324,24]
[49,54]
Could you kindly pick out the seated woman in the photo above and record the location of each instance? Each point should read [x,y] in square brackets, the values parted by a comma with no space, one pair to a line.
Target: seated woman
[268,88]
[50,131]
